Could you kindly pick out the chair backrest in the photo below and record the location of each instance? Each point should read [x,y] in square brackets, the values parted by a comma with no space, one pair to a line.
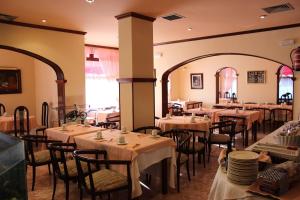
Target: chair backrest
[85,156]
[2,109]
[176,111]
[226,95]
[239,121]
[222,127]
[45,113]
[113,117]
[147,129]
[58,152]
[21,121]
[180,136]
[233,97]
[282,114]
[30,141]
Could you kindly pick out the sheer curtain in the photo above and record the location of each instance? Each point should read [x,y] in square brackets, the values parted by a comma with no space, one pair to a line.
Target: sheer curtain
[102,89]
[228,81]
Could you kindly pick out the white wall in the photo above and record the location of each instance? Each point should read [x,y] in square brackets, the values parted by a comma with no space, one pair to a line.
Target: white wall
[265,44]
[181,85]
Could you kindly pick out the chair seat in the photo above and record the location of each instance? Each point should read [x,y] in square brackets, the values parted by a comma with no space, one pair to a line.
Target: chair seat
[41,157]
[183,158]
[72,169]
[219,138]
[105,180]
[199,146]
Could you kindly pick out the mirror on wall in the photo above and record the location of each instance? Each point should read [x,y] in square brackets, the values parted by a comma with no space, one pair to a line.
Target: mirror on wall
[285,82]
[227,84]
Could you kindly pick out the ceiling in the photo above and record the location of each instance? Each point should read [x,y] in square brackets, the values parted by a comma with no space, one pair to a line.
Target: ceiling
[205,17]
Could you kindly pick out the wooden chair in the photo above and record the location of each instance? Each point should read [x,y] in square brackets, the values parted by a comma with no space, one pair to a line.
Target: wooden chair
[44,120]
[103,181]
[197,146]
[2,109]
[182,139]
[21,121]
[147,129]
[221,133]
[240,127]
[233,97]
[63,167]
[36,158]
[226,95]
[280,116]
[176,111]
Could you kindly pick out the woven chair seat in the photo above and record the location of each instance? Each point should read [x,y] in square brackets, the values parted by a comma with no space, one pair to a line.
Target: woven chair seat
[219,138]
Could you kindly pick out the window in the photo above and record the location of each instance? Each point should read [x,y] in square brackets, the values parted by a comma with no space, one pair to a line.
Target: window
[285,84]
[102,89]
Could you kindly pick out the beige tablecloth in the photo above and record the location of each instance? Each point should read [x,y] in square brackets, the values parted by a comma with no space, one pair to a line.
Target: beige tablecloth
[184,122]
[143,150]
[250,115]
[211,112]
[7,123]
[71,131]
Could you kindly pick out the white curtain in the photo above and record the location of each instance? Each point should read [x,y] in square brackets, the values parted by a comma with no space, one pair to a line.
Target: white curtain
[102,89]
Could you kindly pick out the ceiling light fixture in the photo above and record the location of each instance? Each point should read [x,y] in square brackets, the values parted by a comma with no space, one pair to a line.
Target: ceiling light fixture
[44,21]
[263,16]
[90,1]
[189,29]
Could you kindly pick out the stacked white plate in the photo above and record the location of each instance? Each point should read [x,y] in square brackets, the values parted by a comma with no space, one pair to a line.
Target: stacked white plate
[242,167]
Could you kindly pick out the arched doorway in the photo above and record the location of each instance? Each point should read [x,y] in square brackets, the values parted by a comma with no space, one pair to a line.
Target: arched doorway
[285,84]
[226,84]
[59,74]
[166,74]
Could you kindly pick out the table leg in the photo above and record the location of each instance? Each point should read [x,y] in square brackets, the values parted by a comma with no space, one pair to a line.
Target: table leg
[246,137]
[254,131]
[164,176]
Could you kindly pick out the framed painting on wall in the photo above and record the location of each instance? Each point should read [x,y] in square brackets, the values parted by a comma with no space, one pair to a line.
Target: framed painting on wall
[256,77]
[197,81]
[10,81]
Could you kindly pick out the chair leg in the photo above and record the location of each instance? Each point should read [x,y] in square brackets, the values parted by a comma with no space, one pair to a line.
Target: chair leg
[194,164]
[49,170]
[188,170]
[178,177]
[203,154]
[33,177]
[54,186]
[67,189]
[209,150]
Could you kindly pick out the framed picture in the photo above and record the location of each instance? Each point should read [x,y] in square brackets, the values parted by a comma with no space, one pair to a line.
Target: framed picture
[10,81]
[256,77]
[197,81]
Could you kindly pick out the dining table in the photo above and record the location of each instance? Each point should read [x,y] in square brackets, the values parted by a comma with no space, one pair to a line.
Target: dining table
[184,122]
[68,133]
[143,150]
[7,123]
[252,118]
[210,112]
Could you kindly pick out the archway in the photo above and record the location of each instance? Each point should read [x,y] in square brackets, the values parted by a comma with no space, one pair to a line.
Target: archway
[59,74]
[285,84]
[228,91]
[167,73]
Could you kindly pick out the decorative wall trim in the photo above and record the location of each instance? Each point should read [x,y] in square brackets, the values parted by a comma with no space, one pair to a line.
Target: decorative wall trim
[42,27]
[136,15]
[132,80]
[230,34]
[100,46]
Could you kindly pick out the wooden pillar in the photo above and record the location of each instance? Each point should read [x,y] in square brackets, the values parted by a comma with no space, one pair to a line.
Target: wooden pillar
[136,78]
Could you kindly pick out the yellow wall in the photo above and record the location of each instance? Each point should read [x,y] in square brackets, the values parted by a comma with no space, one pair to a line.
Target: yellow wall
[181,85]
[27,97]
[264,44]
[64,49]
[45,90]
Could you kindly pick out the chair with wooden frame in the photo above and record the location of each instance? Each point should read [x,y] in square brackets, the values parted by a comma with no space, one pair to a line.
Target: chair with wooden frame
[147,129]
[2,109]
[21,121]
[37,158]
[280,116]
[105,180]
[182,139]
[221,133]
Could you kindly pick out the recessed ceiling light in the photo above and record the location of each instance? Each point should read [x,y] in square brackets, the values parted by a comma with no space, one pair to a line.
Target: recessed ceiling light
[263,16]
[189,29]
[90,1]
[44,21]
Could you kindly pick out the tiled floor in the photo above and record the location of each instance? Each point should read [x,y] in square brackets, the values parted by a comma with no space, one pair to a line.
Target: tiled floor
[198,188]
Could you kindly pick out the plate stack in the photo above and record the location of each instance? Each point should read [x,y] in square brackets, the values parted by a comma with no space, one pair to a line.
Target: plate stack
[242,167]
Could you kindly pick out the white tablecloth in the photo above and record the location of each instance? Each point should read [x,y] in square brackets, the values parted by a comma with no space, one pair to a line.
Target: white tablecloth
[148,152]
